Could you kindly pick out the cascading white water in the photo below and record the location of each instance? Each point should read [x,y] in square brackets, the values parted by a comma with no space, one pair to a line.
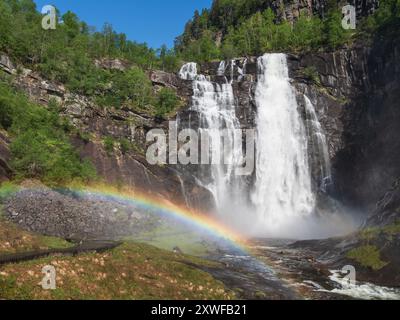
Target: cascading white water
[278,200]
[242,71]
[221,68]
[188,71]
[318,140]
[215,104]
[282,190]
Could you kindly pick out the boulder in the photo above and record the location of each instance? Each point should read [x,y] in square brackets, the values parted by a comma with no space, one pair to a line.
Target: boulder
[6,64]
[112,64]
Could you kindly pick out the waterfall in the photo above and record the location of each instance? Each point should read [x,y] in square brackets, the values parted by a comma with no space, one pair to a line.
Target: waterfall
[188,71]
[242,71]
[215,105]
[317,138]
[282,189]
[278,199]
[221,68]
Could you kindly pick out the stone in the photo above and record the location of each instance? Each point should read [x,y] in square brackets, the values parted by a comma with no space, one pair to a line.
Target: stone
[112,64]
[164,79]
[7,65]
[177,250]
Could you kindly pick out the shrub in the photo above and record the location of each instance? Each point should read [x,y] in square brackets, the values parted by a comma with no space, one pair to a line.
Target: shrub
[40,146]
[167,100]
[109,145]
[125,145]
[7,189]
[311,73]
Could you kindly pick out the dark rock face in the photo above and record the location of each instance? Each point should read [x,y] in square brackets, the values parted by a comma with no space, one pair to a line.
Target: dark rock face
[356,98]
[387,211]
[363,7]
[291,10]
[369,163]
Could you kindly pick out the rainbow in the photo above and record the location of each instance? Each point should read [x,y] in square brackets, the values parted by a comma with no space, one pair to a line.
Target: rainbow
[164,207]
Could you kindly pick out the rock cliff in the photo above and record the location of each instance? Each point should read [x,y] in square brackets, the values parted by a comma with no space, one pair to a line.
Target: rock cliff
[93,123]
[355,91]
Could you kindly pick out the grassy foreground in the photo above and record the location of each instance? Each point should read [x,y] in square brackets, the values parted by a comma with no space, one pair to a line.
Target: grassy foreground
[131,271]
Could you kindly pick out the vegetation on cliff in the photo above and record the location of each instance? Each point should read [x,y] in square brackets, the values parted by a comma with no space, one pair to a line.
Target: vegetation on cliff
[252,28]
[385,22]
[40,146]
[72,54]
[233,28]
[368,256]
[68,55]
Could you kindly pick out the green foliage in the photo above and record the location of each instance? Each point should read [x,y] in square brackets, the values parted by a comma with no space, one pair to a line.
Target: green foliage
[167,101]
[311,74]
[368,256]
[251,28]
[125,145]
[67,54]
[84,136]
[135,87]
[40,147]
[223,15]
[384,22]
[168,59]
[203,49]
[109,145]
[333,33]
[7,189]
[261,33]
[131,89]
[307,33]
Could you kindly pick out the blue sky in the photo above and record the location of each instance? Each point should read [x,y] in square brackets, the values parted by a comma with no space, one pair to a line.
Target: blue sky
[155,22]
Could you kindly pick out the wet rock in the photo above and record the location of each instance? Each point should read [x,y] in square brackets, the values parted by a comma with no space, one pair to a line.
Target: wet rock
[387,210]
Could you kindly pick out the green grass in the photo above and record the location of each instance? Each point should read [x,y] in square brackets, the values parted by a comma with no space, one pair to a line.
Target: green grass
[15,240]
[131,271]
[368,256]
[168,237]
[7,189]
[54,243]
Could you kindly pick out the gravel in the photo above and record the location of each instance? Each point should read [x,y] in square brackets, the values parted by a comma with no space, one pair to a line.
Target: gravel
[74,216]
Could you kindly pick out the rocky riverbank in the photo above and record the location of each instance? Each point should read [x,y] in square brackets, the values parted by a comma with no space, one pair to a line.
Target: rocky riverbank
[71,215]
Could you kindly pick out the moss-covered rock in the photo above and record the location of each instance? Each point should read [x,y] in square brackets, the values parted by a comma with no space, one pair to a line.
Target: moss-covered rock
[368,256]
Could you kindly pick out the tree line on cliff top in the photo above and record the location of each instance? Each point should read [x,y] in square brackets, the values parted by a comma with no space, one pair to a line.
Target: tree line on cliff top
[233,28]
